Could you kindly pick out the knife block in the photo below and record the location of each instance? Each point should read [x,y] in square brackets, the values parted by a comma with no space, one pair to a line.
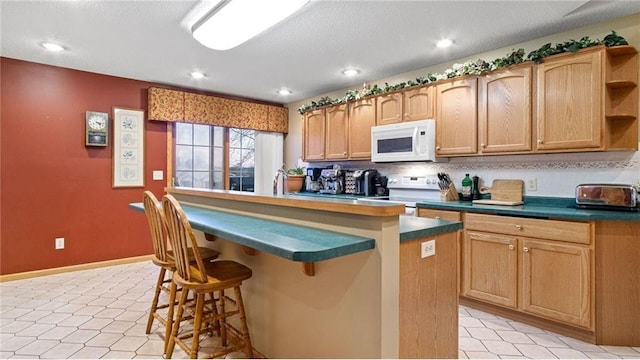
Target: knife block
[451,194]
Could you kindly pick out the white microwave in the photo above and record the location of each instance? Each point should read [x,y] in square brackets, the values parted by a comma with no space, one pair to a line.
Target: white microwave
[407,141]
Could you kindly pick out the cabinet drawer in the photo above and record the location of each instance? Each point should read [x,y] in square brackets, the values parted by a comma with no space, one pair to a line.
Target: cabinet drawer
[439,214]
[569,231]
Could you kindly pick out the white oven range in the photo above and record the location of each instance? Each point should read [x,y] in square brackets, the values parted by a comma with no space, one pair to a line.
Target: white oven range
[409,190]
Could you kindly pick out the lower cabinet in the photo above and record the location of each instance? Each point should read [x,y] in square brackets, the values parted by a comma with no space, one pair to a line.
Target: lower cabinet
[543,273]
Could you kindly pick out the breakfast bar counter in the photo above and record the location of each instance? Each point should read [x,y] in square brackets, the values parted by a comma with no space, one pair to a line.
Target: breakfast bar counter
[372,294]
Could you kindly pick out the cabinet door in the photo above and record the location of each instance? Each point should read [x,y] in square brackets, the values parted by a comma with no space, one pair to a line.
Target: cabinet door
[362,116]
[456,117]
[556,281]
[389,109]
[336,132]
[418,103]
[490,268]
[504,116]
[569,101]
[314,131]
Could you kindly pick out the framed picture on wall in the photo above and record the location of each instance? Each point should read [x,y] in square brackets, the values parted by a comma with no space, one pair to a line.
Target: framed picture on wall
[128,147]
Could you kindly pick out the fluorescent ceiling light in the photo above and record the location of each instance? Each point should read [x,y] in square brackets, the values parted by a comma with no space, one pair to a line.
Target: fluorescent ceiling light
[444,43]
[284,92]
[197,75]
[351,72]
[52,46]
[232,22]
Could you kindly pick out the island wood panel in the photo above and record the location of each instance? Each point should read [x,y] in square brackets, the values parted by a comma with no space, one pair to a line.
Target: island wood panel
[428,299]
[617,289]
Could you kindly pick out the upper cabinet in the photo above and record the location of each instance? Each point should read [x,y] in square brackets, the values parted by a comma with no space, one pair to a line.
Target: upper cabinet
[339,132]
[569,101]
[362,117]
[456,117]
[314,135]
[505,111]
[336,132]
[588,101]
[408,105]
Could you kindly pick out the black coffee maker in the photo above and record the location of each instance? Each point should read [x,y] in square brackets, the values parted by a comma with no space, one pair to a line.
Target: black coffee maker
[365,182]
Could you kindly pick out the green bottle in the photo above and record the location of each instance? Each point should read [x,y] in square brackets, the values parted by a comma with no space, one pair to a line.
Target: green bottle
[466,188]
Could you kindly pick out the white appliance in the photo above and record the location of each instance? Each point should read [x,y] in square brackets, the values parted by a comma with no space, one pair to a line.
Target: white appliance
[407,141]
[409,190]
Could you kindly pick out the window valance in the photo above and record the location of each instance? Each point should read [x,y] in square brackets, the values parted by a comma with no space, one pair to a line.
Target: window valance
[181,106]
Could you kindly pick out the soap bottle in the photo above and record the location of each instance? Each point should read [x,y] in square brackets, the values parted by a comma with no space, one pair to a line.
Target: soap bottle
[475,188]
[466,188]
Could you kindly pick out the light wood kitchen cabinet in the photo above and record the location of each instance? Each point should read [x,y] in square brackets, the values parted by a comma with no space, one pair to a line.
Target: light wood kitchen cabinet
[362,117]
[407,105]
[556,281]
[418,104]
[336,132]
[490,268]
[540,267]
[505,111]
[569,104]
[314,135]
[456,117]
[589,100]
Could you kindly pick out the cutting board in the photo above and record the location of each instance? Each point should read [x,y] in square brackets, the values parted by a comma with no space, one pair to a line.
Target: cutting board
[505,190]
[498,202]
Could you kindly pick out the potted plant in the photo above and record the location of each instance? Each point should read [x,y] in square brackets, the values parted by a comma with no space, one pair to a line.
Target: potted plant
[294,180]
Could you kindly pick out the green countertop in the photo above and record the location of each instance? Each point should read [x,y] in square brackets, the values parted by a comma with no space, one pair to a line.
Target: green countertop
[296,242]
[536,207]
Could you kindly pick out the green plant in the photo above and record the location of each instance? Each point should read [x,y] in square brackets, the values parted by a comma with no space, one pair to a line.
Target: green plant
[296,171]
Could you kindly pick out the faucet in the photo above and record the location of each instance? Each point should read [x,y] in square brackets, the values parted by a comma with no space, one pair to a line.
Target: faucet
[280,172]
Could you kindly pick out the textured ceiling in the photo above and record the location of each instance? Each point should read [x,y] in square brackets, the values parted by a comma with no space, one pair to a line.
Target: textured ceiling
[151,41]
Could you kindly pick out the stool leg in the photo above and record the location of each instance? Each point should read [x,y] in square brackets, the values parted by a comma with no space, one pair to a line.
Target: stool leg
[197,325]
[176,323]
[223,320]
[172,301]
[243,322]
[154,303]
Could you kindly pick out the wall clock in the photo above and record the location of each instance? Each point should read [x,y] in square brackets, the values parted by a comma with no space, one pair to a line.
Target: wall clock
[96,127]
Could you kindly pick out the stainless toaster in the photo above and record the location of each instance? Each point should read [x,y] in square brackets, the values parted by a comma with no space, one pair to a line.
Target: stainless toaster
[607,196]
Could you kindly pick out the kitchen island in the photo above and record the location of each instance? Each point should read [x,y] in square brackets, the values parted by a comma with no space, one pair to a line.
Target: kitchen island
[547,263]
[373,302]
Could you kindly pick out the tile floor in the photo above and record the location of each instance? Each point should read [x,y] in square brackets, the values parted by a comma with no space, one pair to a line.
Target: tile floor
[102,313]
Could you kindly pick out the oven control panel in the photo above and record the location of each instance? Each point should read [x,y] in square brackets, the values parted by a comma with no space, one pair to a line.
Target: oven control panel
[426,182]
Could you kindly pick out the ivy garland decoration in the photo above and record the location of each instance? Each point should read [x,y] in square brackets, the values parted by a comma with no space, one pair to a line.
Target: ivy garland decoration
[477,67]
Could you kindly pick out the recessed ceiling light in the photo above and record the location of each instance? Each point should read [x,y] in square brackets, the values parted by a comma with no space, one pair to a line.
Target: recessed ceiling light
[197,75]
[52,46]
[351,72]
[444,43]
[284,92]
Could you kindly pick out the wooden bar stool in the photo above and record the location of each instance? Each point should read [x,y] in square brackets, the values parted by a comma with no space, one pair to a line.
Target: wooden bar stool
[201,279]
[164,257]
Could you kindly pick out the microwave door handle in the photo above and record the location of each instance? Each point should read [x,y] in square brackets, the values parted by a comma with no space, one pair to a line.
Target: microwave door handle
[415,141]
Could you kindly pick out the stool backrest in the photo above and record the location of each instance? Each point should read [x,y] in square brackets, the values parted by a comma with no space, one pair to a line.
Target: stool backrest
[157,225]
[182,239]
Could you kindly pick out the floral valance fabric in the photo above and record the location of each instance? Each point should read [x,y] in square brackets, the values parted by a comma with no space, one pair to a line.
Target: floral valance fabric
[180,106]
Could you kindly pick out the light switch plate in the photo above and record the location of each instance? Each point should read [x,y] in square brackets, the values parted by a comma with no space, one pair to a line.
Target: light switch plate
[158,175]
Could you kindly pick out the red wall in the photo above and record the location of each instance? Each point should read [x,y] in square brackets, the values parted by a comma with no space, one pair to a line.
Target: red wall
[51,185]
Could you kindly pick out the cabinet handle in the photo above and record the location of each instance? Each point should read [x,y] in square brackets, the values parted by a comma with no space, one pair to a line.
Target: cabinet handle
[437,147]
[344,153]
[398,115]
[519,227]
[437,218]
[511,247]
[525,249]
[406,114]
[540,141]
[483,145]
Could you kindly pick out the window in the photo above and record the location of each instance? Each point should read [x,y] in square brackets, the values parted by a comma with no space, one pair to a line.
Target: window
[201,154]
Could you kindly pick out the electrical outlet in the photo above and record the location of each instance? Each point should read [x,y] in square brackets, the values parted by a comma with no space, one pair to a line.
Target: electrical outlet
[59,243]
[158,175]
[428,248]
[532,184]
